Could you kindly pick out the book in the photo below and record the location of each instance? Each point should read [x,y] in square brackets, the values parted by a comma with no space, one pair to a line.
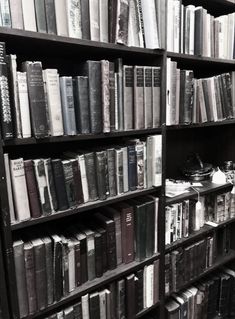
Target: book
[105,94]
[119,170]
[5,13]
[51,184]
[94,17]
[61,18]
[94,306]
[104,21]
[37,102]
[85,20]
[16,14]
[138,97]
[57,267]
[101,163]
[50,16]
[128,96]
[40,12]
[69,182]
[29,18]
[91,176]
[9,188]
[148,103]
[59,180]
[49,269]
[111,171]
[150,24]
[73,9]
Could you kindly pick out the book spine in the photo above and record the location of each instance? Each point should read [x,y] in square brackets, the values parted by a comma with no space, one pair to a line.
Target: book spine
[94,304]
[148,108]
[5,13]
[125,170]
[86,34]
[139,148]
[51,184]
[128,85]
[98,255]
[28,8]
[121,296]
[127,227]
[16,14]
[30,277]
[139,291]
[83,252]
[104,21]
[132,167]
[119,171]
[111,246]
[77,182]
[150,222]
[120,102]
[105,95]
[138,97]
[31,182]
[69,182]
[37,102]
[100,171]
[130,296]
[9,188]
[122,22]
[40,13]
[91,256]
[74,18]
[91,176]
[71,266]
[59,179]
[57,270]
[112,96]
[94,20]
[77,258]
[50,16]
[5,109]
[49,270]
[111,172]
[61,17]
[84,178]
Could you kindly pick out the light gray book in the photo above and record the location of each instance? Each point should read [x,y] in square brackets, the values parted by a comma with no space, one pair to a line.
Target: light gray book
[119,97]
[104,20]
[61,17]
[85,307]
[9,188]
[134,28]
[29,17]
[149,151]
[150,24]
[90,240]
[73,9]
[16,14]
[5,13]
[94,19]
[128,96]
[66,89]
[156,96]
[138,97]
[119,171]
[125,170]
[105,95]
[148,109]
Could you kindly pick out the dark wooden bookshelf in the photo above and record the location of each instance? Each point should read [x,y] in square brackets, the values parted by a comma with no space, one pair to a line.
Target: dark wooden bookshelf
[96,284]
[200,125]
[207,188]
[83,208]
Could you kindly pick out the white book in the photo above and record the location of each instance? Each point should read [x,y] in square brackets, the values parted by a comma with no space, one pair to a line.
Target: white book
[170,27]
[85,307]
[29,15]
[5,13]
[125,170]
[61,17]
[149,160]
[208,34]
[133,25]
[145,164]
[82,165]
[94,19]
[104,19]
[157,160]
[19,187]
[225,36]
[9,188]
[103,304]
[213,99]
[16,14]
[47,162]
[71,265]
[231,35]
[23,99]
[148,279]
[191,28]
[176,25]
[60,315]
[73,9]
[182,38]
[51,79]
[150,24]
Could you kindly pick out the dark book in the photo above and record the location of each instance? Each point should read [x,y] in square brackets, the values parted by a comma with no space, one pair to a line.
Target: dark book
[69,182]
[94,306]
[226,86]
[132,167]
[223,301]
[59,179]
[112,20]
[98,255]
[30,277]
[120,107]
[49,269]
[91,176]
[150,229]
[139,291]
[139,148]
[77,181]
[103,234]
[40,272]
[172,310]
[121,302]
[85,20]
[231,310]
[111,171]
[5,109]
[138,97]
[119,171]
[81,103]
[77,260]
[83,255]
[50,16]
[198,39]
[92,69]
[51,183]
[101,173]
[130,296]
[128,96]
[113,299]
[68,313]
[112,95]
[37,101]
[34,202]
[57,267]
[90,242]
[77,309]
[40,14]
[168,284]
[65,264]
[156,279]
[188,97]
[109,225]
[21,282]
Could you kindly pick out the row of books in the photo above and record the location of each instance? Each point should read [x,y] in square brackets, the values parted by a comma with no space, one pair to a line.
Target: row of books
[41,102]
[51,267]
[39,187]
[191,30]
[209,298]
[184,218]
[191,100]
[187,263]
[129,22]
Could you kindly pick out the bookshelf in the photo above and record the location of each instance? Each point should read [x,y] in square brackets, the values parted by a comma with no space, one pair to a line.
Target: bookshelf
[212,140]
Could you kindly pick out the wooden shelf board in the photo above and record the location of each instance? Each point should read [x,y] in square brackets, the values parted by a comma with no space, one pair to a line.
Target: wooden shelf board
[200,125]
[96,284]
[83,208]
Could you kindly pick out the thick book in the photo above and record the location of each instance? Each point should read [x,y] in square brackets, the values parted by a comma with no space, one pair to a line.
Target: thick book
[128,96]
[28,8]
[105,95]
[40,272]
[92,69]
[138,97]
[69,182]
[111,172]
[21,285]
[40,13]
[90,242]
[119,95]
[150,24]
[50,16]
[23,101]
[16,14]
[30,270]
[20,195]
[122,22]
[112,95]
[85,20]
[94,20]
[61,17]
[51,79]
[9,188]
[42,186]
[73,9]
[82,165]
[198,39]
[139,148]
[91,176]
[37,101]
[59,179]
[121,298]
[5,109]
[103,304]
[132,167]
[101,163]
[77,181]
[68,313]
[157,160]
[139,291]
[156,89]
[85,306]
[67,101]
[83,256]
[94,305]
[49,269]
[77,309]
[148,103]
[81,104]
[148,286]
[134,28]
[98,255]
[130,296]
[125,170]
[51,184]
[57,267]
[32,188]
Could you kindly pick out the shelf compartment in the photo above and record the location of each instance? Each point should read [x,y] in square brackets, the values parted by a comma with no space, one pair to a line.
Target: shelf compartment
[97,284]
[83,208]
[204,231]
[80,137]
[208,187]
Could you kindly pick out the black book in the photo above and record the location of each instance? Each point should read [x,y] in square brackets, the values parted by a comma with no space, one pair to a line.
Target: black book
[91,175]
[94,305]
[112,95]
[81,104]
[57,267]
[51,183]
[69,182]
[77,309]
[111,171]
[188,99]
[50,16]
[49,269]
[100,173]
[112,20]
[198,39]
[103,234]
[226,81]
[121,304]
[223,302]
[40,16]
[85,20]
[132,167]
[5,109]
[92,69]
[168,284]
[130,296]
[77,181]
[98,255]
[60,188]
[83,256]
[139,291]
[37,101]
[150,227]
